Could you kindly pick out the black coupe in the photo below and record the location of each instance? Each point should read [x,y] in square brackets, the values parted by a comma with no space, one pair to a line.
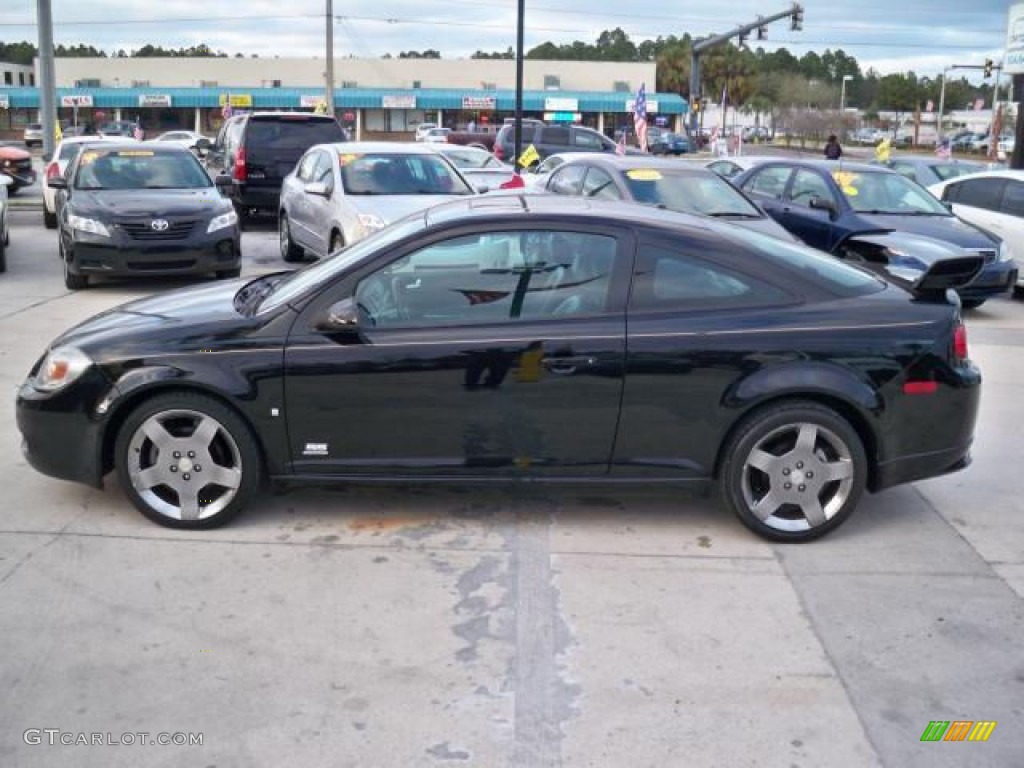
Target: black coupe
[522,337]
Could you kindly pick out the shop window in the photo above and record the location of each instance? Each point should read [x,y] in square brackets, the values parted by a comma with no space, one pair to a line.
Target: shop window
[21,78]
[349,84]
[8,78]
[621,86]
[417,83]
[552,82]
[32,79]
[207,83]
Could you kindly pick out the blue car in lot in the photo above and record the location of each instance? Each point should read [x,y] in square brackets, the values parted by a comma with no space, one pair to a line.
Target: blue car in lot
[670,144]
[873,215]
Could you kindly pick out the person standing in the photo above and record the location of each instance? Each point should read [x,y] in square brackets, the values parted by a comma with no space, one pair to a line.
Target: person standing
[832,149]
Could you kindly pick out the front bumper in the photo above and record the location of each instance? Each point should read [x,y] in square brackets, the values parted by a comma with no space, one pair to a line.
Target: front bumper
[121,255]
[22,178]
[995,279]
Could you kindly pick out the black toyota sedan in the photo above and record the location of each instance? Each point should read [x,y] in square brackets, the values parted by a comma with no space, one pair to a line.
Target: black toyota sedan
[847,209]
[525,337]
[142,209]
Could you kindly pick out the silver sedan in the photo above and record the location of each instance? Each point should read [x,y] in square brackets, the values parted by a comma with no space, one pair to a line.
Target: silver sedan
[340,193]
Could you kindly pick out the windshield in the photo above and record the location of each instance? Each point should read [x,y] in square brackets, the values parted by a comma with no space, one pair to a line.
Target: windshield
[300,281]
[399,174]
[139,169]
[708,195]
[298,133]
[879,192]
[471,158]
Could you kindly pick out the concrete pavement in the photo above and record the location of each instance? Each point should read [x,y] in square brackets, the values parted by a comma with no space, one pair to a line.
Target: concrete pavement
[520,627]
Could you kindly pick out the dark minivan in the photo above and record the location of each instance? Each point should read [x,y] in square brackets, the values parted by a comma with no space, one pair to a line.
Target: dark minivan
[552,139]
[258,149]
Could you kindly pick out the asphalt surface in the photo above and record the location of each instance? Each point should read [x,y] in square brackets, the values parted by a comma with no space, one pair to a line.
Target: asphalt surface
[520,627]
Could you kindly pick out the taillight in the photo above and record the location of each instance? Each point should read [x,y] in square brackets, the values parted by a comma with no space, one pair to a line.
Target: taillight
[960,342]
[52,170]
[499,151]
[239,173]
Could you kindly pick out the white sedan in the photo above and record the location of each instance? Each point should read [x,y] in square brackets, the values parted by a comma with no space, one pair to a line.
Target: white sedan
[992,200]
[187,139]
[65,152]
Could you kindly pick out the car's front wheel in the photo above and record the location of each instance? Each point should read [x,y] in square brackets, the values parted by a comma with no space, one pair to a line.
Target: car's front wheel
[290,252]
[794,471]
[72,281]
[187,460]
[49,218]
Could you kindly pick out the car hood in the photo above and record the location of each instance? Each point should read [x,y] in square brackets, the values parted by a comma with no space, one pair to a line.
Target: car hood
[947,228]
[114,333]
[152,203]
[766,226]
[394,207]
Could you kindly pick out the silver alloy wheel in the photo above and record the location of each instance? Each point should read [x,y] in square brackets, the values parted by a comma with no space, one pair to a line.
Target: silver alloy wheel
[184,464]
[797,477]
[285,238]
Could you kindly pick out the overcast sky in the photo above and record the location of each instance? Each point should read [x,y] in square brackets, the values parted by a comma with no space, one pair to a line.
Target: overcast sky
[889,35]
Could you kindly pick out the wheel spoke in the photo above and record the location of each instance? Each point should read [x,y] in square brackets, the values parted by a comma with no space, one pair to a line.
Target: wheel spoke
[188,500]
[806,440]
[204,433]
[813,512]
[157,434]
[840,469]
[227,477]
[151,478]
[763,461]
[766,506]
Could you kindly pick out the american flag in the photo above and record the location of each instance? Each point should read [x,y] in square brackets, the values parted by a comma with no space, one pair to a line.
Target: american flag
[225,111]
[137,131]
[640,116]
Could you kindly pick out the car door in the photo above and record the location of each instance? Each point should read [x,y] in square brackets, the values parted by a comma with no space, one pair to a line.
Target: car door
[297,202]
[797,214]
[553,138]
[216,159]
[319,208]
[768,187]
[496,349]
[1011,222]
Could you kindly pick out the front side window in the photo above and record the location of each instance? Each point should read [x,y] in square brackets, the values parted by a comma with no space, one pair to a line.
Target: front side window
[770,182]
[306,166]
[139,169]
[399,174]
[494,277]
[323,172]
[554,134]
[669,279]
[289,133]
[808,185]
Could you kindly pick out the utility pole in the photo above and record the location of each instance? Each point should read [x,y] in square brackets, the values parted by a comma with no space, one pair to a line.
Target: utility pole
[519,86]
[795,13]
[329,72]
[47,83]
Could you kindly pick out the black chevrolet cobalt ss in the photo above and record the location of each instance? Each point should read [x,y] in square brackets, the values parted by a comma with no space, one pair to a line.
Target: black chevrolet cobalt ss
[142,209]
[522,337]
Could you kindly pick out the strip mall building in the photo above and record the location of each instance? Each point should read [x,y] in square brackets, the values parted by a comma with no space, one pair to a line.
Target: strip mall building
[374,98]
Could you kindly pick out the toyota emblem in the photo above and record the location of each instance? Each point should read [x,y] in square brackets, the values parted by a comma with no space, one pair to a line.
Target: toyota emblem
[159,225]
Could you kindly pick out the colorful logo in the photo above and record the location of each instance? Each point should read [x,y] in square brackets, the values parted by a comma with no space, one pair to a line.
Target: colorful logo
[958,730]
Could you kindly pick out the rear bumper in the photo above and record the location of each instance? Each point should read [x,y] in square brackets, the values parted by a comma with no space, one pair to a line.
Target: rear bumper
[265,197]
[907,469]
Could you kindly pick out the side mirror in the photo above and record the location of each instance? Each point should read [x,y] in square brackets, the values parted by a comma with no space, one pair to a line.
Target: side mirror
[222,182]
[203,147]
[821,204]
[341,317]
[482,188]
[317,188]
[57,182]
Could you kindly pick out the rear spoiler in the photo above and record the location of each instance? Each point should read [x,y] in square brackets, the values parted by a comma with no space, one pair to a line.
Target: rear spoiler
[945,275]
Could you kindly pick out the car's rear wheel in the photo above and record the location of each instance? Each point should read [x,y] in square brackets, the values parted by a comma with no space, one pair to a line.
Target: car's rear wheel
[290,252]
[49,218]
[794,471]
[186,460]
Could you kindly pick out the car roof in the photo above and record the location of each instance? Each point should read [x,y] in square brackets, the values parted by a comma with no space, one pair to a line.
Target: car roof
[378,147]
[633,162]
[928,161]
[97,139]
[148,146]
[822,164]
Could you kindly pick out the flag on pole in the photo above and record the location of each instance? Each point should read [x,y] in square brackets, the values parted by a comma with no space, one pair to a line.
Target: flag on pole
[640,116]
[529,157]
[137,131]
[58,135]
[883,150]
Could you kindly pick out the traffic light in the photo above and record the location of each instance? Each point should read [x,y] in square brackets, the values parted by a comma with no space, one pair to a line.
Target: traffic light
[797,22]
[762,33]
[743,39]
[988,67]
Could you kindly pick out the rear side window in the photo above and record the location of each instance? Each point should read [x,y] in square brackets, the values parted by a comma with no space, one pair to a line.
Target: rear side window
[1013,199]
[553,134]
[667,278]
[979,193]
[292,133]
[586,140]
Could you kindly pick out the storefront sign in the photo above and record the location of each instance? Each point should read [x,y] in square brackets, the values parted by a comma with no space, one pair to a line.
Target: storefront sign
[237,100]
[83,100]
[563,117]
[652,106]
[5,101]
[479,102]
[398,102]
[558,104]
[155,100]
[1013,64]
[311,101]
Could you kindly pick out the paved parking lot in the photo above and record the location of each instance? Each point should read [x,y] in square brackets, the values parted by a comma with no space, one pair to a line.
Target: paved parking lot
[520,627]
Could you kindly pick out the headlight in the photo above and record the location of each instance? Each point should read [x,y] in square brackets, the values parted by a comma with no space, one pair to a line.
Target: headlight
[372,221]
[223,221]
[61,367]
[91,226]
[1003,252]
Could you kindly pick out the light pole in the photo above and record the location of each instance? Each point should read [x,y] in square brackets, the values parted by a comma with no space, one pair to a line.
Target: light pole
[942,101]
[842,94]
[329,72]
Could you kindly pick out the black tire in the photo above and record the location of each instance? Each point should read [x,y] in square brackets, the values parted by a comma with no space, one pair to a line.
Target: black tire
[290,252]
[72,281]
[49,219]
[3,255]
[243,216]
[177,413]
[229,274]
[971,303]
[780,436]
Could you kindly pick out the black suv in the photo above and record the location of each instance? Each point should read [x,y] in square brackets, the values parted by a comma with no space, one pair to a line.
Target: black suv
[552,139]
[258,149]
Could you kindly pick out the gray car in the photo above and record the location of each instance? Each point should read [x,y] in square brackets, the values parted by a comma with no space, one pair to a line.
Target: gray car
[340,193]
[482,169]
[662,183]
[930,170]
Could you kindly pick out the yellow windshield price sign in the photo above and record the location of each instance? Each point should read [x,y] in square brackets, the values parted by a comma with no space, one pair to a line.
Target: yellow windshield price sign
[644,174]
[88,158]
[135,153]
[344,160]
[847,182]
